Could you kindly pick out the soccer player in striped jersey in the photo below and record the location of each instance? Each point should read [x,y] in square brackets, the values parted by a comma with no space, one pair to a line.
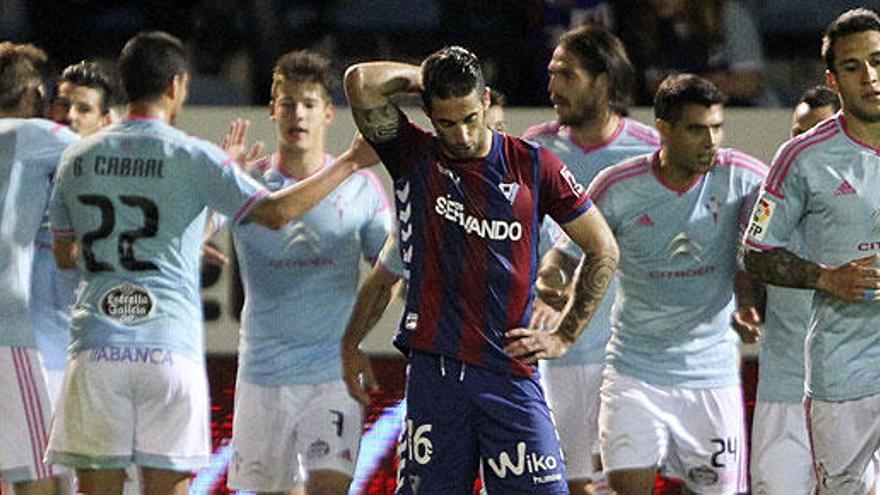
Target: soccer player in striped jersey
[781,462]
[470,202]
[671,396]
[30,149]
[376,291]
[82,102]
[590,82]
[130,205]
[825,185]
[292,412]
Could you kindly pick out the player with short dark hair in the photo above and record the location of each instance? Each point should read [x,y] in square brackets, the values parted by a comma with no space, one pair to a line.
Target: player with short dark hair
[824,186]
[83,98]
[671,397]
[130,206]
[470,202]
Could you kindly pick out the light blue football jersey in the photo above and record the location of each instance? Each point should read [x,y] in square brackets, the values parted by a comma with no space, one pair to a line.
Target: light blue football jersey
[781,362]
[301,281]
[390,259]
[136,197]
[827,184]
[678,259]
[30,150]
[630,139]
[53,294]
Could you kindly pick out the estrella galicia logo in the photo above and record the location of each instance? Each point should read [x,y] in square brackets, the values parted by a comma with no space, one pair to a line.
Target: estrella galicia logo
[127,303]
[318,449]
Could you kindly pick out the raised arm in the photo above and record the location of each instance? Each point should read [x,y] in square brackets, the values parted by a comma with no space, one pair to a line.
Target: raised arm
[369,87]
[291,202]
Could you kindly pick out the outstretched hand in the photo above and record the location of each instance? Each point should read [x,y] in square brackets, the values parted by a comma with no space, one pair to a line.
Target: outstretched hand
[855,281]
[235,143]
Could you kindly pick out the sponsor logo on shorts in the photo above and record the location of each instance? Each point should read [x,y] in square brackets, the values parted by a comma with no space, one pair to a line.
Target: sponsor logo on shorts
[761,218]
[703,475]
[540,466]
[318,449]
[127,303]
[147,355]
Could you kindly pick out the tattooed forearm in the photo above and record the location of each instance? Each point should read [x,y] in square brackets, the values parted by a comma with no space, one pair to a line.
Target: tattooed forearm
[590,287]
[782,268]
[749,291]
[377,124]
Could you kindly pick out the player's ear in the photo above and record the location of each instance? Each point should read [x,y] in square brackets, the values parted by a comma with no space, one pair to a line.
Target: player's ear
[662,127]
[831,80]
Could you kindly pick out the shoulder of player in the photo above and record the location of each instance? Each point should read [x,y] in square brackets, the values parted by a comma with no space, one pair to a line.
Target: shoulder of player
[623,172]
[641,132]
[812,143]
[549,128]
[739,161]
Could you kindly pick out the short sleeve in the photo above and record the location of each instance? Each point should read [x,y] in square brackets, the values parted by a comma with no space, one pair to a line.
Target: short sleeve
[378,221]
[400,153]
[389,258]
[223,186]
[778,208]
[59,215]
[562,197]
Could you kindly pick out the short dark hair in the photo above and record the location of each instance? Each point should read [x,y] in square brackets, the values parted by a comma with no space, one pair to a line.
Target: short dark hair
[497,98]
[21,67]
[850,22]
[820,96]
[90,75]
[304,66]
[679,90]
[451,72]
[148,63]
[600,52]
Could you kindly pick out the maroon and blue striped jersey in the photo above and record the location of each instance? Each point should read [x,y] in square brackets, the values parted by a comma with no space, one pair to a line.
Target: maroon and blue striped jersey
[469,233]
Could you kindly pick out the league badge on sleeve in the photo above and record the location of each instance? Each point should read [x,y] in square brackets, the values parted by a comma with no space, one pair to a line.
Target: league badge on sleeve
[761,218]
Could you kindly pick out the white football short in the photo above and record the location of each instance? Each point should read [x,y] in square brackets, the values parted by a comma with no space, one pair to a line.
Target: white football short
[573,395]
[25,415]
[696,435]
[845,437]
[124,405]
[281,433]
[781,460]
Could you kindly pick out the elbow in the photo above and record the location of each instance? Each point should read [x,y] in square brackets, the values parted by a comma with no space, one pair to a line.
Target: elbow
[353,81]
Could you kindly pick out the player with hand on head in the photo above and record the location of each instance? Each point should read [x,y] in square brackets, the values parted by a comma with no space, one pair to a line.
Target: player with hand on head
[470,202]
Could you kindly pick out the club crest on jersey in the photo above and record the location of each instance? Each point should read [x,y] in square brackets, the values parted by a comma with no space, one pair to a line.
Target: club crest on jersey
[761,218]
[127,303]
[449,173]
[509,190]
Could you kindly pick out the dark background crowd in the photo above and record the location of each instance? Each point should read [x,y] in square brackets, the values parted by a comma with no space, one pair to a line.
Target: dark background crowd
[759,53]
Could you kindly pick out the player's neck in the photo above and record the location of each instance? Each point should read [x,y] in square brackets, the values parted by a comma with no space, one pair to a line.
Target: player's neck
[598,130]
[301,164]
[674,175]
[866,132]
[149,110]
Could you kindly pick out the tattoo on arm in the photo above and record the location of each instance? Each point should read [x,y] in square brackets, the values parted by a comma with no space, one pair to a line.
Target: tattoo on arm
[377,124]
[592,283]
[749,291]
[782,268]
